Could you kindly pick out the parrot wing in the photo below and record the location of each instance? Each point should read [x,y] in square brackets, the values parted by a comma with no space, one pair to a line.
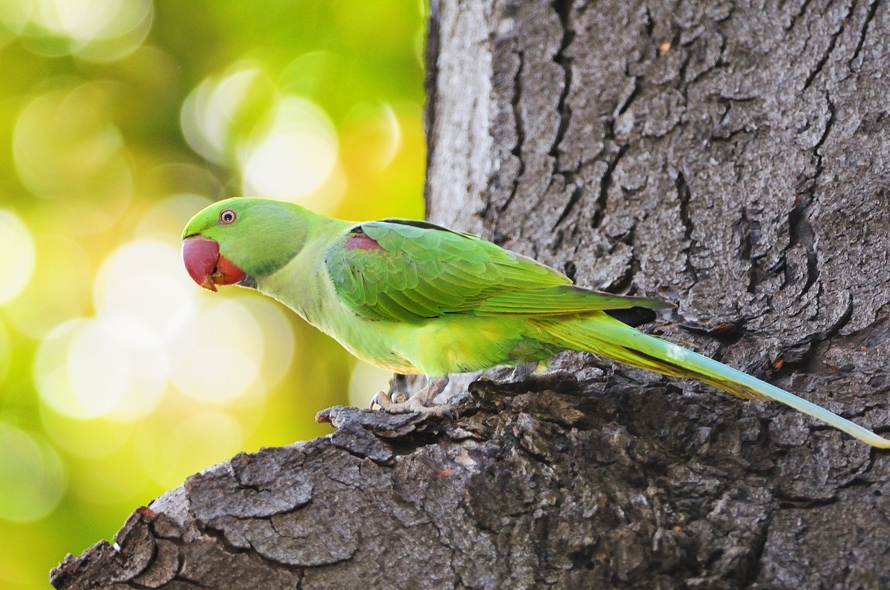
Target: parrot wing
[403,270]
[563,299]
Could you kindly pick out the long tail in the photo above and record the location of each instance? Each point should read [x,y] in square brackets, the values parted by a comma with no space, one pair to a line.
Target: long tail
[608,337]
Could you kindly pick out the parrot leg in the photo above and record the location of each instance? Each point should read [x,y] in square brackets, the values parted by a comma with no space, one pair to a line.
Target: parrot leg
[421,402]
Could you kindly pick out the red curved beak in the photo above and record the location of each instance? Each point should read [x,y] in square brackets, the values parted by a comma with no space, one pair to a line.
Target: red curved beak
[205,264]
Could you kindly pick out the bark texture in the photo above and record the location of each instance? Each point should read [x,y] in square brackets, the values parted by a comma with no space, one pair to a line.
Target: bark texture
[731,157]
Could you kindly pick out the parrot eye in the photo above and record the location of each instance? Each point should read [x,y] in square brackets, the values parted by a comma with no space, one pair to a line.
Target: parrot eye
[227,216]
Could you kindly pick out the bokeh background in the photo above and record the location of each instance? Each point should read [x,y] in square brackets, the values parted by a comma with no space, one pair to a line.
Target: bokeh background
[119,120]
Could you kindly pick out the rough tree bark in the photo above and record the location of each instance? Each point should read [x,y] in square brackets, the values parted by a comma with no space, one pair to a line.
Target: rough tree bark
[730,157]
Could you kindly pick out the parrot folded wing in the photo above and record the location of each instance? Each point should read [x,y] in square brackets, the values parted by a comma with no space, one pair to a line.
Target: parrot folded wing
[563,299]
[409,271]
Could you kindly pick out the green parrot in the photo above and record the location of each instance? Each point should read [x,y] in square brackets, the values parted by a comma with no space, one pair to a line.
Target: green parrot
[413,297]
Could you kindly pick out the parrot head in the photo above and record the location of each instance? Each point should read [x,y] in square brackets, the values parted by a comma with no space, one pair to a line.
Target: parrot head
[237,240]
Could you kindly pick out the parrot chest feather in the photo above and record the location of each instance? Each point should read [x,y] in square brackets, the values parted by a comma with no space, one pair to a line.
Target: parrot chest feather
[312,295]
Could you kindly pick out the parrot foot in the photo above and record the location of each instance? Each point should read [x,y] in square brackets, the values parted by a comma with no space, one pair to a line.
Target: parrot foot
[381,400]
[421,402]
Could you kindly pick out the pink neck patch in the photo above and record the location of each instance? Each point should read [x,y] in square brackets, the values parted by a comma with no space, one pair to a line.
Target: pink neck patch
[361,241]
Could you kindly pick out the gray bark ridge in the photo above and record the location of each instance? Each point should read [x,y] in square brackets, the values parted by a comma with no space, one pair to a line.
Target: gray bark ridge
[730,157]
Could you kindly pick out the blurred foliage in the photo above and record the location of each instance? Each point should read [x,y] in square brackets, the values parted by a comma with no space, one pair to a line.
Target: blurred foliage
[122,118]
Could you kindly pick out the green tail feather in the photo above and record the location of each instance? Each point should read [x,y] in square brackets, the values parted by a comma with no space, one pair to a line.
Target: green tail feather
[610,338]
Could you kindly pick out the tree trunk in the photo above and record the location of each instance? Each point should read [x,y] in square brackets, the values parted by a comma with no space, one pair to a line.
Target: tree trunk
[730,158]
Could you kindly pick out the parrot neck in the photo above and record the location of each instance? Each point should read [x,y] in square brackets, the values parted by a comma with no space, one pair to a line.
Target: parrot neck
[283,236]
[301,283]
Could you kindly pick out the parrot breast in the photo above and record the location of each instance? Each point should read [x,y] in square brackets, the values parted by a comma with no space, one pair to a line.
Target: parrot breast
[207,266]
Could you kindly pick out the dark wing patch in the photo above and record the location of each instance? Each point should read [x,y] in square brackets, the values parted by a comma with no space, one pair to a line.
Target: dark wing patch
[419,223]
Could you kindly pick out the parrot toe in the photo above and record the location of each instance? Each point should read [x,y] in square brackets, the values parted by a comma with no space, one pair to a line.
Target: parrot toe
[421,402]
[379,401]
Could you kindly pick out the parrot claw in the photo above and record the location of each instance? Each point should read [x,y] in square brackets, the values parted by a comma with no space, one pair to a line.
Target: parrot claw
[379,401]
[421,402]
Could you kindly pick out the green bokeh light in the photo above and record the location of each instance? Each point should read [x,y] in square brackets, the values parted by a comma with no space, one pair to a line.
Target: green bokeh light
[119,378]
